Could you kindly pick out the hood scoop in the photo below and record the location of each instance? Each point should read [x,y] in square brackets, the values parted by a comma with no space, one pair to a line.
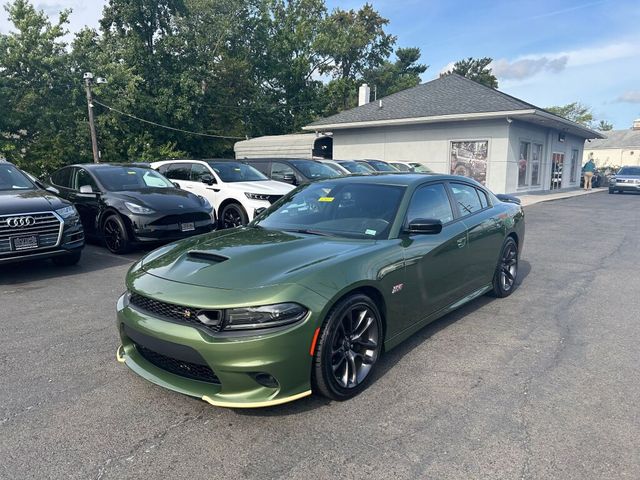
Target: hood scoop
[206,256]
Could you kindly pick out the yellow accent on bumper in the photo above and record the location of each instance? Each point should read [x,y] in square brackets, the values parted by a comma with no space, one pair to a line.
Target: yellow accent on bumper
[120,354]
[267,403]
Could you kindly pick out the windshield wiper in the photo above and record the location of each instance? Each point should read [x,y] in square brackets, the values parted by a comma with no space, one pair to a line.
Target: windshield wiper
[309,232]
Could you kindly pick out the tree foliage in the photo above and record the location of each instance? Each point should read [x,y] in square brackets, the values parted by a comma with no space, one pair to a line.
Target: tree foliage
[477,69]
[232,68]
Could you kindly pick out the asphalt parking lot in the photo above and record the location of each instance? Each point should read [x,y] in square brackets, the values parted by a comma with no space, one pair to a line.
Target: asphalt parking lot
[543,384]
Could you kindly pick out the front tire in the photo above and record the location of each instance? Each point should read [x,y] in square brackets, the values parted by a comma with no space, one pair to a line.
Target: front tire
[348,348]
[233,215]
[114,233]
[68,259]
[504,278]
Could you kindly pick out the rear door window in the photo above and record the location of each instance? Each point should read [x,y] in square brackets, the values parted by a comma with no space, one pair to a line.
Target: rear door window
[63,177]
[466,198]
[179,171]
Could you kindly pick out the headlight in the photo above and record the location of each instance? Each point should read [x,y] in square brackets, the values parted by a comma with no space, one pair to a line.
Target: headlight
[138,209]
[67,212]
[263,317]
[205,203]
[257,196]
[612,180]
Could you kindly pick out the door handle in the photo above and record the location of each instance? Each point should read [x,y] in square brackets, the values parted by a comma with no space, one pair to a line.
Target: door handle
[462,241]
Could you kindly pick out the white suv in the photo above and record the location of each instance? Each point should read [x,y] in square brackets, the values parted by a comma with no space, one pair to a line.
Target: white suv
[236,190]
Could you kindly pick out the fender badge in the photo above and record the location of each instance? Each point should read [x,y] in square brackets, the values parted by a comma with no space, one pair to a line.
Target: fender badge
[397,288]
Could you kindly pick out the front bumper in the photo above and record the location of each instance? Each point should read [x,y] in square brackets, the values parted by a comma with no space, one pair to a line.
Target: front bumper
[625,187]
[236,361]
[72,239]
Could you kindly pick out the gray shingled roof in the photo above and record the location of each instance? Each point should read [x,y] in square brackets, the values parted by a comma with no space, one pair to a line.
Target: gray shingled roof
[447,95]
[616,139]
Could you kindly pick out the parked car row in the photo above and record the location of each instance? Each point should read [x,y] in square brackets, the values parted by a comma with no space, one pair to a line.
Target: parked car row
[127,205]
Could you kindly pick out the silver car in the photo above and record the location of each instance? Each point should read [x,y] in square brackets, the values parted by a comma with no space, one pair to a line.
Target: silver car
[626,180]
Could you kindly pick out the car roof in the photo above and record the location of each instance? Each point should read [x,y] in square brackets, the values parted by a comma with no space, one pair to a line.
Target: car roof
[404,179]
[94,166]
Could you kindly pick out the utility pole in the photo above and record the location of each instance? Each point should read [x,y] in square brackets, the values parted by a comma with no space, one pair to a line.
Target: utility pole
[88,81]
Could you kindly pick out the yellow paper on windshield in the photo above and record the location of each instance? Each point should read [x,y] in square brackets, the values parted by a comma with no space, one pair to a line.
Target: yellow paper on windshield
[326,199]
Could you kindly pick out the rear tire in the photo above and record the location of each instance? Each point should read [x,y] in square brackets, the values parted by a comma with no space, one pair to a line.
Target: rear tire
[504,278]
[114,233]
[348,348]
[68,259]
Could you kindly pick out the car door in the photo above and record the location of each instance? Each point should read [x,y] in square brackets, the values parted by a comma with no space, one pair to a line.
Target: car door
[204,182]
[435,263]
[87,203]
[484,232]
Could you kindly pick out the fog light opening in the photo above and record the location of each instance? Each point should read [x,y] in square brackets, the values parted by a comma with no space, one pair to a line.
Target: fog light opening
[266,380]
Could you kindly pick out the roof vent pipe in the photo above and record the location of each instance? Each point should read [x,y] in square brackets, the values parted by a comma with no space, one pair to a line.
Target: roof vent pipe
[636,124]
[364,95]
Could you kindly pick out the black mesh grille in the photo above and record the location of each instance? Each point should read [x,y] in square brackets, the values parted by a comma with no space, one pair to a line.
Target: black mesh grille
[177,313]
[178,367]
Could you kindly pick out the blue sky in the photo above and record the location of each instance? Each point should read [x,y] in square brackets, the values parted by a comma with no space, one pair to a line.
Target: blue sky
[546,52]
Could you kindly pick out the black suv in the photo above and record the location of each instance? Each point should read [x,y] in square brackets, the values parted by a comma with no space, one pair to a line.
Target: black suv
[296,171]
[35,223]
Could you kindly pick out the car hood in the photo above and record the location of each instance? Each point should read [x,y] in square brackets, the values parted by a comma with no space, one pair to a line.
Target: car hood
[160,199]
[29,201]
[269,187]
[248,257]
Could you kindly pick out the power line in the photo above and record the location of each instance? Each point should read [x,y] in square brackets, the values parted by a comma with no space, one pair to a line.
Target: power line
[227,137]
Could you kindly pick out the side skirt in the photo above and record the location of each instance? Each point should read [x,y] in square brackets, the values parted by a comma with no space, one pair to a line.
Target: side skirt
[407,332]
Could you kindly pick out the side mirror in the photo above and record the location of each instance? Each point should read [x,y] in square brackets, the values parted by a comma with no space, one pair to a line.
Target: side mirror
[176,184]
[86,189]
[207,179]
[53,190]
[428,226]
[289,178]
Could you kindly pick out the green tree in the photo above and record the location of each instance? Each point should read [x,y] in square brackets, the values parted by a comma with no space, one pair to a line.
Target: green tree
[477,69]
[352,42]
[575,111]
[604,126]
[392,77]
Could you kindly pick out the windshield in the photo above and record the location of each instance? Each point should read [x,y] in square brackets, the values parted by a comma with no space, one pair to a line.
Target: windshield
[236,172]
[402,167]
[118,179]
[13,179]
[381,166]
[418,167]
[342,209]
[315,170]
[629,171]
[355,167]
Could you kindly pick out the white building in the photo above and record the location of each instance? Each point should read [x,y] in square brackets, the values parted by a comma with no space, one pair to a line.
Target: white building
[621,147]
[455,125]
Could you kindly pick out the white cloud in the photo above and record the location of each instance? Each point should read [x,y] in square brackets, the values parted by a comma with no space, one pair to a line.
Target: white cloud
[630,96]
[527,67]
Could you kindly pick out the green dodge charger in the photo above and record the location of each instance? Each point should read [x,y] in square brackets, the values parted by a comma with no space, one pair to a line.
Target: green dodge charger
[308,296]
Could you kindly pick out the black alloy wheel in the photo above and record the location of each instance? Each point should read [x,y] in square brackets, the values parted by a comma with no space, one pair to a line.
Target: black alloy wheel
[349,346]
[504,279]
[115,235]
[233,215]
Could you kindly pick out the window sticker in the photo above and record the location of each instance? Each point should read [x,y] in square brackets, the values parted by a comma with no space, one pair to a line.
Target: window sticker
[326,199]
[370,232]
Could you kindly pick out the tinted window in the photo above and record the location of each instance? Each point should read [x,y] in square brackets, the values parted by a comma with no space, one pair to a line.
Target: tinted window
[198,171]
[315,170]
[402,167]
[382,166]
[279,170]
[484,201]
[339,209]
[130,178]
[230,172]
[179,171]
[62,178]
[83,178]
[430,201]
[467,198]
[355,167]
[262,167]
[13,179]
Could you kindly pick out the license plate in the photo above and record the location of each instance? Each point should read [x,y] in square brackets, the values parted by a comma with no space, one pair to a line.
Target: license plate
[25,243]
[187,227]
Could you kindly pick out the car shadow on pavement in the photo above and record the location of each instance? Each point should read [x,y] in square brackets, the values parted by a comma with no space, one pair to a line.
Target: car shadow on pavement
[94,258]
[389,359]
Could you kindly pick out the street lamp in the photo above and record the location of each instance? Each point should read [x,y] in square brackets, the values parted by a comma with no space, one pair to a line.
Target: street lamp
[88,82]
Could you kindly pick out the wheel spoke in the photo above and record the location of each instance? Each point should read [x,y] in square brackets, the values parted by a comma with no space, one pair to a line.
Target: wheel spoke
[352,364]
[361,318]
[336,366]
[368,344]
[508,274]
[357,334]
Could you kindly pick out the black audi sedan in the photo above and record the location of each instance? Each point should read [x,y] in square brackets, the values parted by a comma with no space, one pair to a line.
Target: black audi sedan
[35,223]
[130,204]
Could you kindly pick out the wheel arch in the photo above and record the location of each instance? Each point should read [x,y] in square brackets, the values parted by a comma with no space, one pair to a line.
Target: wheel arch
[229,201]
[107,212]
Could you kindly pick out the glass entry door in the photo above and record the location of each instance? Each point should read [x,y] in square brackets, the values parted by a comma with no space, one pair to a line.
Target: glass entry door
[557,162]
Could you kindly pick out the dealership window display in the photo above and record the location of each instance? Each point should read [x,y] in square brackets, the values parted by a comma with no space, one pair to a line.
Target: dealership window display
[469,159]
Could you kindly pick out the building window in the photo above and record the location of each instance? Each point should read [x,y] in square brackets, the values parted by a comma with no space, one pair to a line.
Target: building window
[523,164]
[529,164]
[470,159]
[536,157]
[574,165]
